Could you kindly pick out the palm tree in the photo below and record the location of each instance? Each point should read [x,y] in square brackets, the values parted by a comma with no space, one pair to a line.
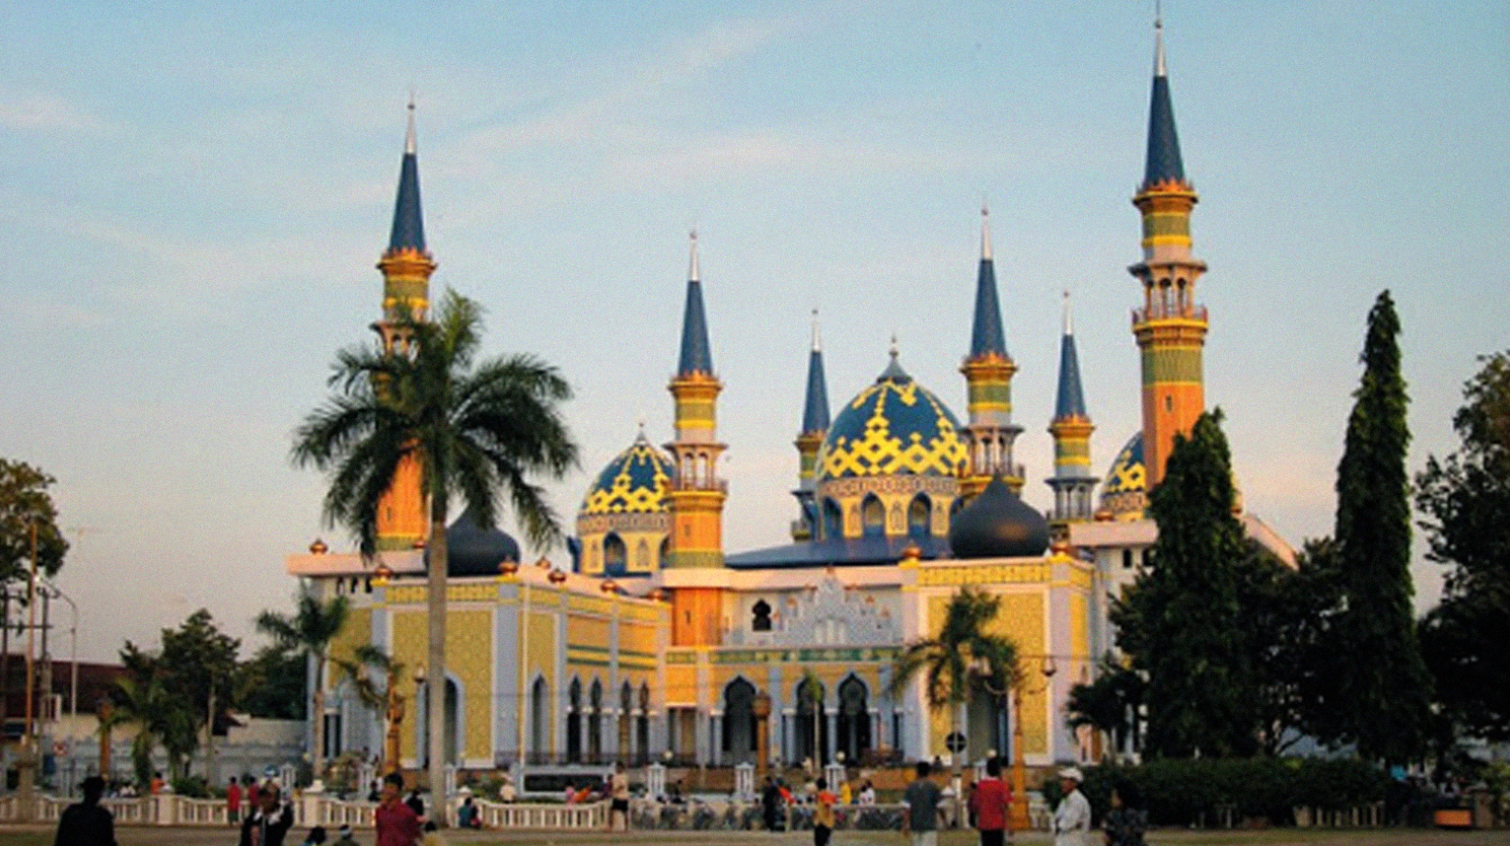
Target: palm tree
[144,695]
[308,632]
[953,662]
[367,661]
[470,431]
[1108,705]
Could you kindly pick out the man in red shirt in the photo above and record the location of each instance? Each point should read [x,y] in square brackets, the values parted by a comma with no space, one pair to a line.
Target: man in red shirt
[991,804]
[397,824]
[233,801]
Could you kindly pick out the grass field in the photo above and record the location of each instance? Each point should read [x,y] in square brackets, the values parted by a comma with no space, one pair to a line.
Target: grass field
[135,836]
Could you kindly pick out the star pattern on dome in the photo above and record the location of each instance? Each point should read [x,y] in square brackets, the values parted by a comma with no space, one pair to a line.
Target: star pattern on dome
[635,482]
[907,431]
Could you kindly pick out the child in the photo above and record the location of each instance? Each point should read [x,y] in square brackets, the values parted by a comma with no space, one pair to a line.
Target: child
[316,836]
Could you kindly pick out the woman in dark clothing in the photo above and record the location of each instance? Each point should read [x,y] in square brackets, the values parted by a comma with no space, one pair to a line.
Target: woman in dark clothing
[1125,822]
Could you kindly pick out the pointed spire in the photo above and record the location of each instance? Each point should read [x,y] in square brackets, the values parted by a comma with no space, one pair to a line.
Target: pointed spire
[1163,163]
[696,356]
[1070,401]
[987,337]
[408,222]
[985,232]
[894,371]
[815,409]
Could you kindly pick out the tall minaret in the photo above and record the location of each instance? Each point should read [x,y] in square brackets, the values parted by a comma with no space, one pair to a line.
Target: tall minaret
[696,493]
[988,374]
[814,427]
[1170,327]
[1073,483]
[402,520]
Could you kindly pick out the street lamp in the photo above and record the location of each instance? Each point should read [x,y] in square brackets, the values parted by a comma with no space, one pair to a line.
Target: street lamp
[1015,685]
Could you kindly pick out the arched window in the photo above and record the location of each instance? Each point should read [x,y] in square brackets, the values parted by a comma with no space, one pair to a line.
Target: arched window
[917,517]
[626,708]
[614,555]
[812,722]
[853,718]
[595,724]
[833,521]
[574,722]
[873,517]
[642,727]
[661,553]
[739,720]
[539,721]
[761,620]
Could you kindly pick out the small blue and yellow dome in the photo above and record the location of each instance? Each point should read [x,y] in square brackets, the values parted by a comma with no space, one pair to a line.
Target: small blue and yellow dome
[634,482]
[1124,494]
[894,427]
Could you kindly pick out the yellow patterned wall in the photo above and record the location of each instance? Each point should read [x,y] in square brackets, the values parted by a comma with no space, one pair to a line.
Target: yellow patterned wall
[356,632]
[1021,618]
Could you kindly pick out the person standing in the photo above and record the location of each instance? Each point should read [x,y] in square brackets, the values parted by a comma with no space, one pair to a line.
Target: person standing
[1072,819]
[233,801]
[770,803]
[397,824]
[618,801]
[990,804]
[823,814]
[1125,822]
[269,822]
[921,814]
[86,823]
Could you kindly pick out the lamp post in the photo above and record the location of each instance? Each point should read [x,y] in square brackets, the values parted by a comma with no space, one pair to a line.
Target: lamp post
[1015,686]
[420,747]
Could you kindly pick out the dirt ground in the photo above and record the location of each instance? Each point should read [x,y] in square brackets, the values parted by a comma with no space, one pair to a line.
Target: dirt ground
[16,835]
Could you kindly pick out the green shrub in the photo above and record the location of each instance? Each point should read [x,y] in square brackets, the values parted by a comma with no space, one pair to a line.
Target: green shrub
[1189,791]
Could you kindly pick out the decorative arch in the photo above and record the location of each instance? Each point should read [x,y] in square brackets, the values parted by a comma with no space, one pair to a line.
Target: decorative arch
[574,721]
[812,720]
[539,720]
[739,720]
[615,555]
[760,616]
[452,729]
[833,520]
[854,717]
[595,723]
[872,516]
[919,517]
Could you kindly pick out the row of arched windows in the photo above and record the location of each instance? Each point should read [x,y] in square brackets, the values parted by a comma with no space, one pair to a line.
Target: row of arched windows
[873,517]
[811,722]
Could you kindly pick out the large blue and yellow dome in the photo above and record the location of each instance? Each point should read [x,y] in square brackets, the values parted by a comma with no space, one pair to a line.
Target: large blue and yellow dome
[895,427]
[634,482]
[1124,494]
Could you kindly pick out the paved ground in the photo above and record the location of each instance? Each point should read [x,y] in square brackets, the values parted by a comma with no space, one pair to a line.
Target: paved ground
[12,835]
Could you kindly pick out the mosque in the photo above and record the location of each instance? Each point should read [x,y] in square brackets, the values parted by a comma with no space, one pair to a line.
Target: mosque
[656,643]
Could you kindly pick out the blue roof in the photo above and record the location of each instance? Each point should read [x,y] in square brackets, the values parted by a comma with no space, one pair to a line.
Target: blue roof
[815,410]
[1164,163]
[408,224]
[893,427]
[696,356]
[1070,402]
[987,336]
[873,549]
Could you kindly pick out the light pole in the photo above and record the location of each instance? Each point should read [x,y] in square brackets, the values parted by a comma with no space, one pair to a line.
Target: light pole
[1015,686]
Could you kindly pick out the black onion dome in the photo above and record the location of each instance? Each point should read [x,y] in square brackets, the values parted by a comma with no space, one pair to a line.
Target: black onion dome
[998,525]
[474,551]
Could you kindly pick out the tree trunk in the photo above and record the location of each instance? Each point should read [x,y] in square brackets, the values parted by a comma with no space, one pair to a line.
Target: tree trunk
[435,680]
[316,754]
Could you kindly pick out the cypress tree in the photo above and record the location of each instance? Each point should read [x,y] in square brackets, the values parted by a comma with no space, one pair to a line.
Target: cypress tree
[1182,621]
[1380,689]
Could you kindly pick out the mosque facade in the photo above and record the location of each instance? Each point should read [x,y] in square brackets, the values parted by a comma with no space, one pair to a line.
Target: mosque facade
[655,643]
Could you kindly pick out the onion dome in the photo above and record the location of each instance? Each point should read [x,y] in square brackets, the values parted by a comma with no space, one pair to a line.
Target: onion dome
[475,551]
[1125,493]
[894,427]
[997,524]
[634,482]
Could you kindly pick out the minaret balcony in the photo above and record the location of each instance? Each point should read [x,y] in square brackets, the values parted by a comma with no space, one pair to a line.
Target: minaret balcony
[1169,311]
[715,485]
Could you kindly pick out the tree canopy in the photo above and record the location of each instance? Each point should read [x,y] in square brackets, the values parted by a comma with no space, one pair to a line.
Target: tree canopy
[474,430]
[1466,499]
[24,501]
[1379,686]
[1182,621]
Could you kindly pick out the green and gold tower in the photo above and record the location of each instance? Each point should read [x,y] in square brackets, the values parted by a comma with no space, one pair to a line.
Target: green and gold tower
[696,493]
[988,372]
[402,519]
[1072,482]
[1170,327]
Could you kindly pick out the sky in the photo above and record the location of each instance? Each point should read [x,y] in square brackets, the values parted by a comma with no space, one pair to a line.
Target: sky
[195,195]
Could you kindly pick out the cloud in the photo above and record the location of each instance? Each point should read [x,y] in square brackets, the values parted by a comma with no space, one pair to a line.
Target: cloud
[37,111]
